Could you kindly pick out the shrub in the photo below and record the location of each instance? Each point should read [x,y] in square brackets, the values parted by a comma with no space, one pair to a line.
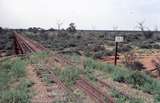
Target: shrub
[137,79]
[145,45]
[35,57]
[18,68]
[72,28]
[125,48]
[18,95]
[14,96]
[119,75]
[70,75]
[122,99]
[157,99]
[136,65]
[156,46]
[92,64]
[14,69]
[148,34]
[102,53]
[157,64]
[131,61]
[11,70]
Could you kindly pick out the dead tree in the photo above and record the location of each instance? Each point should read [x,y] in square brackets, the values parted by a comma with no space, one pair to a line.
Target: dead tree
[147,33]
[141,26]
[59,26]
[131,61]
[157,64]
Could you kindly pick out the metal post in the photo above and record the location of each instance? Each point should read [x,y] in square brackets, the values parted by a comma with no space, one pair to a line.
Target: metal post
[116,50]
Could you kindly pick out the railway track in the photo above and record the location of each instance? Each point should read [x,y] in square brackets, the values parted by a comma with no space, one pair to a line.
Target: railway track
[24,45]
[93,92]
[56,88]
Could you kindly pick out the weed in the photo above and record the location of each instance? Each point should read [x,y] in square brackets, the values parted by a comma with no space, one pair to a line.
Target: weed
[92,64]
[18,68]
[13,71]
[122,99]
[138,79]
[10,71]
[18,95]
[36,57]
[69,75]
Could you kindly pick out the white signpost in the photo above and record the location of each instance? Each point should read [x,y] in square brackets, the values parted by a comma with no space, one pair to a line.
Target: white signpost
[118,39]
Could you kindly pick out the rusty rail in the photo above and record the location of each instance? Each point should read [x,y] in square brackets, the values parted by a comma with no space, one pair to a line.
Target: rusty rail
[93,92]
[24,45]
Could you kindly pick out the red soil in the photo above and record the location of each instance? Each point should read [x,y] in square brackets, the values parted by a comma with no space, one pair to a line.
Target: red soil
[145,60]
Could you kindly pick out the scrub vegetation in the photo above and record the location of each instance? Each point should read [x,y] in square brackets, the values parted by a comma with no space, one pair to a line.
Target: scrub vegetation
[14,87]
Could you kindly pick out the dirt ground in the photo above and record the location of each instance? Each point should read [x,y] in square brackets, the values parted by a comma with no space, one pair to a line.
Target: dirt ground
[41,94]
[146,60]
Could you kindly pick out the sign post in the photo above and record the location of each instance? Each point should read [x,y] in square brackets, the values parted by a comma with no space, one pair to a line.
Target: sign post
[118,39]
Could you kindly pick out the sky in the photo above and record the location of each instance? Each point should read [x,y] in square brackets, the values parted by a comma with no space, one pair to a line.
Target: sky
[86,14]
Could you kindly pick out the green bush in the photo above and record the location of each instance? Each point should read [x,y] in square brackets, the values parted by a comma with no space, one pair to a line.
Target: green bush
[102,53]
[119,98]
[125,48]
[18,68]
[4,76]
[157,99]
[35,57]
[136,65]
[88,73]
[122,99]
[119,75]
[142,81]
[156,46]
[39,55]
[13,71]
[137,79]
[14,96]
[4,79]
[92,64]
[18,95]
[145,45]
[70,75]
